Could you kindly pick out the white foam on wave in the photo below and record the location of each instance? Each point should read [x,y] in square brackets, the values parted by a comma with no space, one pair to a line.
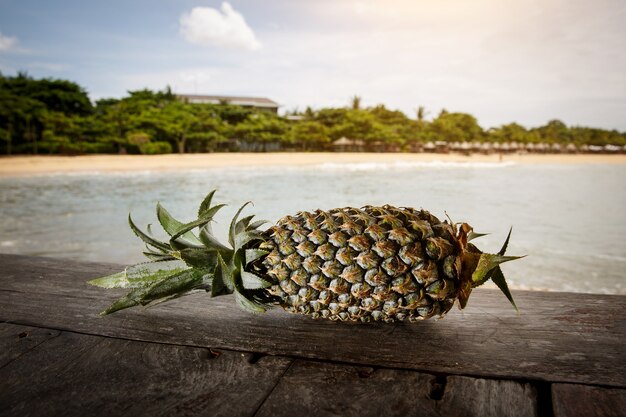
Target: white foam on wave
[559,286]
[403,165]
[610,257]
[583,255]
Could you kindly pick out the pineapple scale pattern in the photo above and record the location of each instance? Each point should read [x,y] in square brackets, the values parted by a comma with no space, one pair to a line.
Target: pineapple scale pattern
[368,264]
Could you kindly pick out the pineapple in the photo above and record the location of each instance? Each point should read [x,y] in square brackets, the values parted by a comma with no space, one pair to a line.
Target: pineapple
[357,264]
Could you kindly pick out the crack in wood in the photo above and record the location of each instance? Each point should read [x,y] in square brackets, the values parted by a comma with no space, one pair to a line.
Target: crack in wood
[282,375]
[30,349]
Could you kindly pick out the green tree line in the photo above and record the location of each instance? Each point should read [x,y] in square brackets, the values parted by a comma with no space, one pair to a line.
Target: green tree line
[57,117]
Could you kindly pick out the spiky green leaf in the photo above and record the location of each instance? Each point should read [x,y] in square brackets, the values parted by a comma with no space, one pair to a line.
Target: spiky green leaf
[154,256]
[177,284]
[162,246]
[198,258]
[171,225]
[211,241]
[129,300]
[506,243]
[206,204]
[498,278]
[241,239]
[140,275]
[247,304]
[251,281]
[242,224]
[255,225]
[232,230]
[168,222]
[117,280]
[225,272]
[217,284]
[208,216]
[174,285]
[143,274]
[254,254]
[486,263]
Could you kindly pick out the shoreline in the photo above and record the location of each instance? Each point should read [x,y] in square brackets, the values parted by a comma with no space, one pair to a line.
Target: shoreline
[11,166]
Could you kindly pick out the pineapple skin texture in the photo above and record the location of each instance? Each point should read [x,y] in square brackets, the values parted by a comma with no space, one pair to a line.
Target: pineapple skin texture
[363,264]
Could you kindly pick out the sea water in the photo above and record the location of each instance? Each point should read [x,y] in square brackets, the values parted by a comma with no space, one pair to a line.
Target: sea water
[570,220]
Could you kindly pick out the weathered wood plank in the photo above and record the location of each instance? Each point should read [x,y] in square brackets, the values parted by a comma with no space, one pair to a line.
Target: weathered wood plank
[464,396]
[571,400]
[341,390]
[80,375]
[16,340]
[558,337]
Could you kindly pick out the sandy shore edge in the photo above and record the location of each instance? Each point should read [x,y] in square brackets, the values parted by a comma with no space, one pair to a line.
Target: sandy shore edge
[36,165]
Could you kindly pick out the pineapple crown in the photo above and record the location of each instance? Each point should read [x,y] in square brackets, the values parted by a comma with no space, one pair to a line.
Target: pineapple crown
[479,267]
[191,262]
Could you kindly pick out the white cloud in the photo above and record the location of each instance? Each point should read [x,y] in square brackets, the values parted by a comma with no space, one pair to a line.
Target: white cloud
[7,42]
[209,27]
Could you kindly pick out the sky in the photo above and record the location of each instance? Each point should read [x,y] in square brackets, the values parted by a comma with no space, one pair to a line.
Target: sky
[527,61]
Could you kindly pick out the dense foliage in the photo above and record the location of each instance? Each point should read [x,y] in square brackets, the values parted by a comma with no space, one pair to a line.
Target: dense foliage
[57,116]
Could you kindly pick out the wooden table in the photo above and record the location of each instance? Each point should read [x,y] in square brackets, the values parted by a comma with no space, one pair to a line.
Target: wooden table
[562,356]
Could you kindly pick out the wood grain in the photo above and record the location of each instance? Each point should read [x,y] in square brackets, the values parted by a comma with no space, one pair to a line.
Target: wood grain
[464,396]
[80,375]
[571,400]
[558,337]
[343,390]
[16,340]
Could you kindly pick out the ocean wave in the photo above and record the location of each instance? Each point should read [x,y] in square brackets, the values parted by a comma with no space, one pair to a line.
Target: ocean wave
[583,255]
[610,257]
[402,165]
[560,286]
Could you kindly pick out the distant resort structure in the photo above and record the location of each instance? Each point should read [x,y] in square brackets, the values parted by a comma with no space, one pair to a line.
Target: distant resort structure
[254,103]
[356,145]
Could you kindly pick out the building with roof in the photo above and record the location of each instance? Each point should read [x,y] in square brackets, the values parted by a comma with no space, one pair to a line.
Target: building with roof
[259,103]
[344,144]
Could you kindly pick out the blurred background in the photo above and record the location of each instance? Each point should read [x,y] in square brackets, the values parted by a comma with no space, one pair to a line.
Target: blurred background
[512,113]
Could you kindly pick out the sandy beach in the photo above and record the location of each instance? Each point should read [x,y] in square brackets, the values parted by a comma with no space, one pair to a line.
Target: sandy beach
[37,165]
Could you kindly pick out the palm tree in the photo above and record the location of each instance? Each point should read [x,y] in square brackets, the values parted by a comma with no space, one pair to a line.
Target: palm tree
[356,102]
[421,113]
